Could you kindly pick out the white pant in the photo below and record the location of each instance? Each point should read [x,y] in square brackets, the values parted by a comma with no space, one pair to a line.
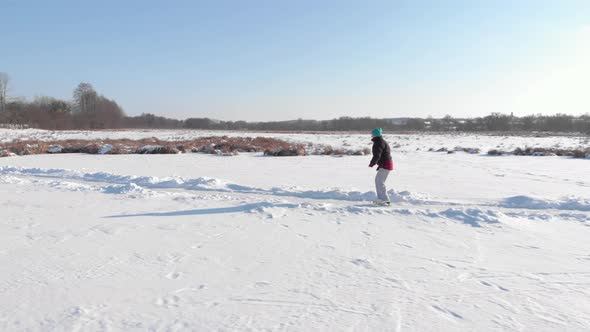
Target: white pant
[380,179]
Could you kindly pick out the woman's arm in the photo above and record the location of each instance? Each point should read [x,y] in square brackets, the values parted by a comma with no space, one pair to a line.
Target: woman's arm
[377,151]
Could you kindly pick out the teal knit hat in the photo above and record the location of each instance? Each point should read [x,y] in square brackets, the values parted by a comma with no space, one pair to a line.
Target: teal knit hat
[377,132]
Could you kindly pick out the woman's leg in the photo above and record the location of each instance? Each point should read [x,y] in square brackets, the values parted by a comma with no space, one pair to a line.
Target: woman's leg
[380,187]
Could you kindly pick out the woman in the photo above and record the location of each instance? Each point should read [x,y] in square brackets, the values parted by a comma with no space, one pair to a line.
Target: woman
[381,158]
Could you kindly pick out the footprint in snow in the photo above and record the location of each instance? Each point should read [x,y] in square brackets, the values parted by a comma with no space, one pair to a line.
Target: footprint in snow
[485,283]
[526,246]
[168,301]
[190,289]
[174,275]
[449,265]
[449,314]
[261,284]
[362,263]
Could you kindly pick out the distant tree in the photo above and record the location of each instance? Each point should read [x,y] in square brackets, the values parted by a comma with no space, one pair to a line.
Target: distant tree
[108,113]
[497,122]
[435,124]
[198,123]
[528,122]
[448,123]
[95,111]
[415,124]
[85,98]
[48,113]
[469,125]
[4,79]
[559,122]
[582,124]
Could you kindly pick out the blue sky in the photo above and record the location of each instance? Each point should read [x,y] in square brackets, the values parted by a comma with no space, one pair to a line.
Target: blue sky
[275,60]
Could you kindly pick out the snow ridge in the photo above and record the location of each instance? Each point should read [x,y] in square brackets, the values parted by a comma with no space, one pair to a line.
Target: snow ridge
[144,185]
[527,202]
[148,186]
[131,183]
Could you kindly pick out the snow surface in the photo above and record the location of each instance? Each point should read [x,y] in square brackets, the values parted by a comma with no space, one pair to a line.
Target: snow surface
[204,242]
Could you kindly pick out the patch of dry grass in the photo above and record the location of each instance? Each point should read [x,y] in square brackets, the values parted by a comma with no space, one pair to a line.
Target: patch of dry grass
[213,145]
[574,153]
[220,145]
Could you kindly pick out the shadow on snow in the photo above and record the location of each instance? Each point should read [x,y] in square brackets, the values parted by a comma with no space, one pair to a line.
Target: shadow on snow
[255,207]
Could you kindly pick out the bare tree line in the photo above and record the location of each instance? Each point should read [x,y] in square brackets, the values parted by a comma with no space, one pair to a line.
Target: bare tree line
[90,110]
[495,122]
[86,110]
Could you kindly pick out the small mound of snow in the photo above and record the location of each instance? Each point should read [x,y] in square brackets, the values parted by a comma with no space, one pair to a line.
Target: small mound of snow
[335,194]
[148,149]
[408,197]
[54,149]
[350,195]
[13,180]
[105,149]
[67,185]
[128,189]
[202,183]
[275,211]
[527,202]
[157,149]
[474,217]
[6,153]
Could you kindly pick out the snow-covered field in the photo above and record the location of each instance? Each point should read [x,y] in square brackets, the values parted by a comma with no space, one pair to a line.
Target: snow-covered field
[203,242]
[401,143]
